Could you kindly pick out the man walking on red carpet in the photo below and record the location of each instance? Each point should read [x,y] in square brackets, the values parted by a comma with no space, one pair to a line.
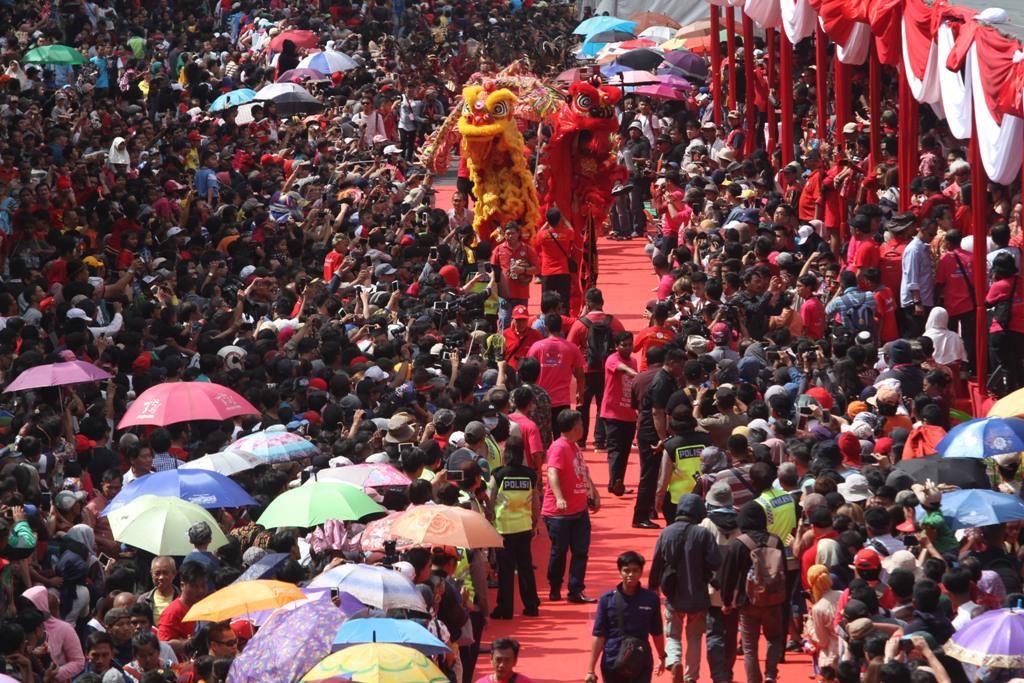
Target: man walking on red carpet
[568,499]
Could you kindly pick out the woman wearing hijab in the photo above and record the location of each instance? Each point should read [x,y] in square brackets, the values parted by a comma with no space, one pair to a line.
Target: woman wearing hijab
[61,640]
[81,571]
[830,554]
[949,348]
[818,629]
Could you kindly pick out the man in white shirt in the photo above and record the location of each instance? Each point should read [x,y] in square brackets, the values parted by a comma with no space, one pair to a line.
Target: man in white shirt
[460,214]
[370,123]
[648,121]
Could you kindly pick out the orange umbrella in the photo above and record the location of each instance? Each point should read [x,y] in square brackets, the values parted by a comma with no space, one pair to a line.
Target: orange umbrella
[242,598]
[647,19]
[636,43]
[429,525]
[701,27]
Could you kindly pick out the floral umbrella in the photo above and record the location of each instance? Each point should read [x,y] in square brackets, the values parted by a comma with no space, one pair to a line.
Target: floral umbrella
[289,644]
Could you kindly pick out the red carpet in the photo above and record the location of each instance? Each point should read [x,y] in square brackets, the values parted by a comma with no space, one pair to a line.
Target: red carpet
[556,645]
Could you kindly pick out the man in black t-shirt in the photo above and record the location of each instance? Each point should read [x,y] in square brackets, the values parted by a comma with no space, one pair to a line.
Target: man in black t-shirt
[652,432]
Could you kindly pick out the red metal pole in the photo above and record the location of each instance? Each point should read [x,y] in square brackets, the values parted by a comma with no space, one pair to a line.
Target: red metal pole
[786,95]
[716,64]
[749,110]
[979,209]
[908,113]
[842,95]
[730,46]
[773,127]
[821,64]
[875,103]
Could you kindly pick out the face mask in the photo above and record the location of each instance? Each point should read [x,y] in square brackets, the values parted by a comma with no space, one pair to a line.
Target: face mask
[490,423]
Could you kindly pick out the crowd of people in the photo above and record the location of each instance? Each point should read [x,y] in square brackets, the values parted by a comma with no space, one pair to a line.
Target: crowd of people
[803,338]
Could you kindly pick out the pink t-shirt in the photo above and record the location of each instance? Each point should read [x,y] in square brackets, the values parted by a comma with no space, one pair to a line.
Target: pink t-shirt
[665,286]
[616,404]
[531,433]
[558,360]
[567,458]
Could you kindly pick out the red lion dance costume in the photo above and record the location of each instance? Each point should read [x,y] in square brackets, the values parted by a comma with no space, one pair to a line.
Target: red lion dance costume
[580,170]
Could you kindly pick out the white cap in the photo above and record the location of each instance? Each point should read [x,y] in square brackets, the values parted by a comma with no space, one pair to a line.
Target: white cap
[77,314]
[246,272]
[174,231]
[392,149]
[804,233]
[375,373]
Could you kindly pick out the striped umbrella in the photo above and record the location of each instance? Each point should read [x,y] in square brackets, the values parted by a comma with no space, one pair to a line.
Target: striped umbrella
[275,444]
[328,62]
[372,585]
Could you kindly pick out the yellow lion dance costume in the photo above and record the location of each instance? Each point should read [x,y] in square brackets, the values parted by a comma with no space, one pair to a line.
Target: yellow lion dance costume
[495,152]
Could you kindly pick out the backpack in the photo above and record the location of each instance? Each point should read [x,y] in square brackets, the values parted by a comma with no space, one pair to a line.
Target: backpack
[599,342]
[861,316]
[766,579]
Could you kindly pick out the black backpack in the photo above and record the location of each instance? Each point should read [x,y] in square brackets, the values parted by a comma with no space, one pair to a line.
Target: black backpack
[599,342]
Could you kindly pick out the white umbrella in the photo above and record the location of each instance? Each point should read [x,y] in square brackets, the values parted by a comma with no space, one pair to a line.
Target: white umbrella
[269,92]
[328,62]
[658,34]
[226,462]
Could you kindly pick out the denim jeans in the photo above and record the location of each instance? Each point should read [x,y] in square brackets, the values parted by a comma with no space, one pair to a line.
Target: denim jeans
[693,624]
[568,533]
[505,307]
[721,642]
[754,620]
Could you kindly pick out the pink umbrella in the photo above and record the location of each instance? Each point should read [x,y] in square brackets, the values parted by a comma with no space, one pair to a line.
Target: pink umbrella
[367,475]
[636,43]
[666,92]
[174,402]
[379,530]
[300,37]
[635,77]
[57,374]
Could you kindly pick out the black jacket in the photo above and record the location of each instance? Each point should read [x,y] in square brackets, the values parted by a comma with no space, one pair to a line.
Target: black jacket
[736,563]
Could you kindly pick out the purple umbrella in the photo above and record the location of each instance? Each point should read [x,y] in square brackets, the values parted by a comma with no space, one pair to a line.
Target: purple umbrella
[349,605]
[692,65]
[666,92]
[995,639]
[300,75]
[57,374]
[677,82]
[289,644]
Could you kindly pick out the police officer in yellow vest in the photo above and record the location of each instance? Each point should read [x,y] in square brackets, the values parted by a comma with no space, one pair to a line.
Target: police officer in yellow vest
[516,502]
[680,464]
[780,509]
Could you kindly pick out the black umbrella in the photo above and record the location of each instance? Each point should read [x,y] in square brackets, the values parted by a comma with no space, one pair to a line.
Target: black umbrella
[966,473]
[611,36]
[642,58]
[297,102]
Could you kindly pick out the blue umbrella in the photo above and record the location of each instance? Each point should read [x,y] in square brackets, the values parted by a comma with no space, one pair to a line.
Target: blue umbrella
[984,438]
[609,70]
[202,487]
[233,99]
[264,568]
[589,27]
[970,508]
[399,631]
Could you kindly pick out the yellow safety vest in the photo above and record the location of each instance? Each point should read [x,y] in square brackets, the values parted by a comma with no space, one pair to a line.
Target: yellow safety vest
[781,512]
[513,506]
[685,470]
[494,458]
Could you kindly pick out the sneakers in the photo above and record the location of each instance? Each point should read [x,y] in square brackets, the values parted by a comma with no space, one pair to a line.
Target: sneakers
[581,599]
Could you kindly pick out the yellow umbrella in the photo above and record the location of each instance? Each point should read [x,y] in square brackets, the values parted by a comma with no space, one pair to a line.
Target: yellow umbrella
[243,598]
[377,663]
[1011,405]
[674,44]
[446,525]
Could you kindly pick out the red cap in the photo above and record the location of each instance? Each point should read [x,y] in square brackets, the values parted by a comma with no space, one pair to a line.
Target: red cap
[520,313]
[313,416]
[821,395]
[318,384]
[243,628]
[195,137]
[83,444]
[142,363]
[720,331]
[866,558]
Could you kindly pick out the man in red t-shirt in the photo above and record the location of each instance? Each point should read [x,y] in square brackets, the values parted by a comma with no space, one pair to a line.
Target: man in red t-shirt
[954,287]
[617,410]
[555,244]
[811,205]
[593,321]
[334,258]
[658,334]
[517,262]
[519,336]
[560,362]
[194,587]
[862,251]
[568,497]
[870,280]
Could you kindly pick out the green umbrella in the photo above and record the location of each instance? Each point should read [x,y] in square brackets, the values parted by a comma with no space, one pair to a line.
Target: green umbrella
[54,54]
[316,502]
[159,524]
